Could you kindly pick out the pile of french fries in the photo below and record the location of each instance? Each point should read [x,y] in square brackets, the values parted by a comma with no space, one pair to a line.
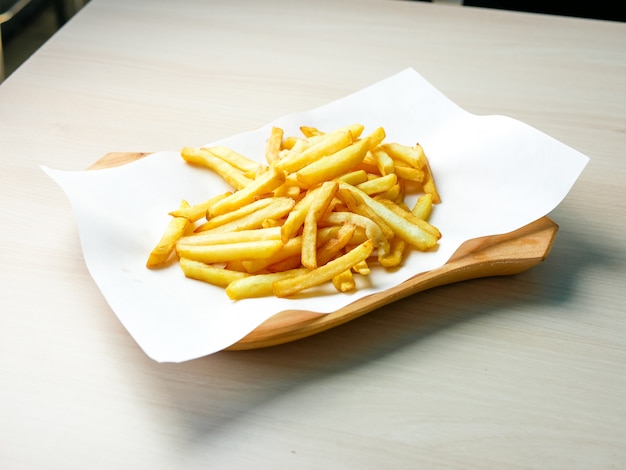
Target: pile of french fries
[324,207]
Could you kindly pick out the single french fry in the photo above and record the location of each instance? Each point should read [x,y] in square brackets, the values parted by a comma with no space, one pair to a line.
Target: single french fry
[395,256]
[235,265]
[259,285]
[395,193]
[219,238]
[220,277]
[423,206]
[309,131]
[344,281]
[340,162]
[383,161]
[161,253]
[197,211]
[318,276]
[372,230]
[378,185]
[230,174]
[235,214]
[332,247]
[408,215]
[317,209]
[296,217]
[264,184]
[330,144]
[274,145]
[235,159]
[429,181]
[409,173]
[308,256]
[291,262]
[362,268]
[332,166]
[354,177]
[293,247]
[276,209]
[355,129]
[404,153]
[211,254]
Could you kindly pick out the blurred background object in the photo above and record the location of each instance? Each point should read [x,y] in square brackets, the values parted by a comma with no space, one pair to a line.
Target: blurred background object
[26,24]
[594,9]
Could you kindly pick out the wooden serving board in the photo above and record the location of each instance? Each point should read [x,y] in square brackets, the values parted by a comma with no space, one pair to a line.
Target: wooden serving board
[498,255]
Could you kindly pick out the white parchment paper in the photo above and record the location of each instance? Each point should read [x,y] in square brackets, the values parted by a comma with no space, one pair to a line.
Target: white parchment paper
[495,174]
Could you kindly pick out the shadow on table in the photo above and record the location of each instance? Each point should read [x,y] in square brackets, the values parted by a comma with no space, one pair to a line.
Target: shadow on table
[214,391]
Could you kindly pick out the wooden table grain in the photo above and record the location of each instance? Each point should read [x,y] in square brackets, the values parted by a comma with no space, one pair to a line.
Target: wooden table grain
[523,372]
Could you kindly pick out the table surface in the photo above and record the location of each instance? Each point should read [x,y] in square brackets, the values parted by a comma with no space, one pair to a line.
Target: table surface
[526,371]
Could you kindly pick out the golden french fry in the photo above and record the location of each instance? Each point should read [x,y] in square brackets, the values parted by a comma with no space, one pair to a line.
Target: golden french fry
[332,247]
[259,285]
[429,181]
[230,174]
[409,155]
[354,129]
[362,268]
[197,211]
[409,173]
[396,254]
[223,219]
[286,264]
[211,254]
[354,177]
[383,161]
[274,144]
[235,159]
[309,131]
[372,230]
[264,184]
[219,238]
[378,185]
[316,211]
[164,249]
[330,144]
[408,215]
[277,209]
[220,277]
[235,265]
[309,242]
[296,217]
[318,276]
[293,247]
[269,223]
[423,206]
[344,281]
[340,162]
[396,193]
[332,166]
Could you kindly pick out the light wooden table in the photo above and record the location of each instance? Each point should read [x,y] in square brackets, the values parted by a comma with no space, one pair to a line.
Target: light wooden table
[516,372]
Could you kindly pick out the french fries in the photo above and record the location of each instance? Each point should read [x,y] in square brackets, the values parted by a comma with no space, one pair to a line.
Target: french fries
[324,208]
